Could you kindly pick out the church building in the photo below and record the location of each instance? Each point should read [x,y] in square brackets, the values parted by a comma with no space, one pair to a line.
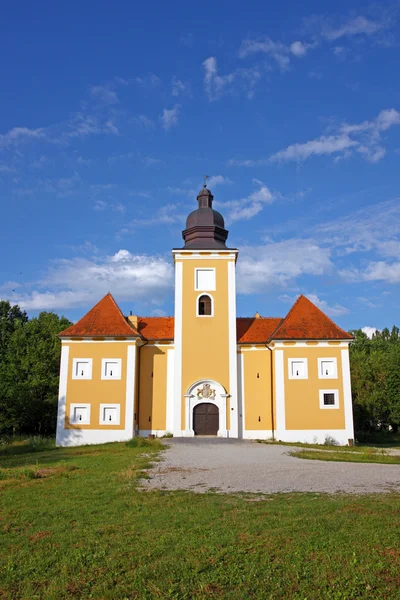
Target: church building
[205,371]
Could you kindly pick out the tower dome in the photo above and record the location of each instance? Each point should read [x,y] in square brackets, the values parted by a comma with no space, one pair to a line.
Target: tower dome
[205,227]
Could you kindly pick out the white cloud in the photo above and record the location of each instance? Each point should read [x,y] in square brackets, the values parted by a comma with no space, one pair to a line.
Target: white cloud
[278,52]
[369,331]
[299,48]
[278,264]
[7,169]
[168,214]
[332,310]
[104,93]
[358,26]
[84,125]
[19,135]
[169,117]
[148,81]
[363,138]
[179,88]
[215,180]
[217,85]
[81,282]
[102,205]
[144,121]
[248,207]
[323,145]
[382,271]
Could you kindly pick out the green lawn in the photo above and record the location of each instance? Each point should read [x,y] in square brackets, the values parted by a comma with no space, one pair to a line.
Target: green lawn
[368,455]
[74,525]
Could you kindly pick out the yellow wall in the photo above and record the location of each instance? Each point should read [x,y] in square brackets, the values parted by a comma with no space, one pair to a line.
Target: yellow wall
[257,390]
[153,387]
[302,408]
[96,391]
[205,340]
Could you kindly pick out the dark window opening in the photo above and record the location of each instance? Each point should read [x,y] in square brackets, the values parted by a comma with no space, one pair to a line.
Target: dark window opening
[329,399]
[205,305]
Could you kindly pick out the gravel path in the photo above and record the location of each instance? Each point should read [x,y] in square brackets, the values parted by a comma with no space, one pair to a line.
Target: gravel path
[201,464]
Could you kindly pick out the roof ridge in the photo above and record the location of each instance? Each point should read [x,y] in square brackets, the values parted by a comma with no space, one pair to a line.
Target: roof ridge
[287,316]
[125,319]
[329,319]
[309,302]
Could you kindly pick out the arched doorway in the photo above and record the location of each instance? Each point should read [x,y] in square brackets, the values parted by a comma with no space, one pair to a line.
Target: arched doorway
[205,419]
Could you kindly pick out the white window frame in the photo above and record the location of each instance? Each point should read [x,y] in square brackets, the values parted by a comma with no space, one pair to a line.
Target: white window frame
[197,306]
[208,289]
[102,407]
[331,406]
[290,363]
[90,367]
[103,368]
[326,359]
[72,410]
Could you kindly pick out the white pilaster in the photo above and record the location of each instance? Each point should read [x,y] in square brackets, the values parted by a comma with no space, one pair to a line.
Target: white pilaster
[347,399]
[130,390]
[62,394]
[233,376]
[170,390]
[280,394]
[177,385]
[241,397]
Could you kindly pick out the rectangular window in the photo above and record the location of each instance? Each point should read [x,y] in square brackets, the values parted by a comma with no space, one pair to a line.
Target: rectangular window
[327,368]
[298,368]
[111,368]
[79,414]
[82,368]
[328,399]
[109,414]
[204,280]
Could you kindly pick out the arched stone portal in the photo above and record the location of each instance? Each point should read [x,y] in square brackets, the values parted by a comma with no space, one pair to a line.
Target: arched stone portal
[206,392]
[205,419]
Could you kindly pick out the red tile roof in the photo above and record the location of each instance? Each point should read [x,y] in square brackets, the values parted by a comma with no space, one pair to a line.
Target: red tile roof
[156,328]
[305,321]
[104,319]
[258,329]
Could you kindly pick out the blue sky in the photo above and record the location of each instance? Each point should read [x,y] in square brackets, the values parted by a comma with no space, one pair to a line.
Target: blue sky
[113,112]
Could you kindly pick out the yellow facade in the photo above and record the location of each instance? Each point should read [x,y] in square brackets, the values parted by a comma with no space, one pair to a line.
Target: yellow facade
[153,387]
[257,388]
[302,395]
[96,391]
[205,336]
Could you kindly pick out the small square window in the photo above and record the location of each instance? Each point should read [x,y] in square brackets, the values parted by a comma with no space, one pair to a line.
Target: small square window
[111,368]
[82,368]
[298,368]
[79,414]
[328,399]
[109,414]
[205,280]
[327,368]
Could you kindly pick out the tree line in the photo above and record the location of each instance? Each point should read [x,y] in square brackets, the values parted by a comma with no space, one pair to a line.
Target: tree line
[29,368]
[30,361]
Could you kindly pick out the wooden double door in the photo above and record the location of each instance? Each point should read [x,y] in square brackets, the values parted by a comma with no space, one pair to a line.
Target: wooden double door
[205,419]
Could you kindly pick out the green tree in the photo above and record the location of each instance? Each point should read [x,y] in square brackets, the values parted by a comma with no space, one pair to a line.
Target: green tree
[29,376]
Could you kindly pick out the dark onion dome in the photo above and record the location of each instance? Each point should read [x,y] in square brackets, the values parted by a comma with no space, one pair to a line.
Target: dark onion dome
[205,227]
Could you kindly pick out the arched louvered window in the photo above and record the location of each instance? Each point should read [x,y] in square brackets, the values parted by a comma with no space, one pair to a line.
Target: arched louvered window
[205,307]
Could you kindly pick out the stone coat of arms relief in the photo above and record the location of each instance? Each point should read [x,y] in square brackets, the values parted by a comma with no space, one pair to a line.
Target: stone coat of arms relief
[206,392]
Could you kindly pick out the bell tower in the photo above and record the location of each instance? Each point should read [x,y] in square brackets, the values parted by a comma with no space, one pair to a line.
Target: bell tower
[205,398]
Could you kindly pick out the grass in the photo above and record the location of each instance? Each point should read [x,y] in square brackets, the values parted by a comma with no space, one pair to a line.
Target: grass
[359,447]
[363,455]
[83,530]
